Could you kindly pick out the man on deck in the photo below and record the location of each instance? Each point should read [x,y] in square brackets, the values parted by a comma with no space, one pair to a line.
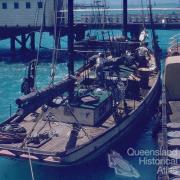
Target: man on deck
[143,56]
[100,61]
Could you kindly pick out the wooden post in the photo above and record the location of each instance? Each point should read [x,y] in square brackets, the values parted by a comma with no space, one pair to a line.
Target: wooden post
[125,18]
[13,44]
[32,41]
[80,34]
[135,33]
[71,37]
[23,42]
[71,45]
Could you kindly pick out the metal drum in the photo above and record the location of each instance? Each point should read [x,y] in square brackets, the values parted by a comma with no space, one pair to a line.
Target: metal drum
[144,76]
[133,88]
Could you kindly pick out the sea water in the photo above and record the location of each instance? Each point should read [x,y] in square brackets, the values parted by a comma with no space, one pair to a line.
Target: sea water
[12,72]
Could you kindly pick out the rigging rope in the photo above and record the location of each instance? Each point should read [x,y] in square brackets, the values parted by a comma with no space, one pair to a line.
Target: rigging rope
[57,37]
[36,15]
[143,14]
[77,121]
[53,68]
[155,45]
[148,10]
[32,129]
[30,164]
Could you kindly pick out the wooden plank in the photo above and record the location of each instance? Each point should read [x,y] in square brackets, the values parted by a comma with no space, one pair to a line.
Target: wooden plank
[174,142]
[173,125]
[174,154]
[173,134]
[175,171]
[175,116]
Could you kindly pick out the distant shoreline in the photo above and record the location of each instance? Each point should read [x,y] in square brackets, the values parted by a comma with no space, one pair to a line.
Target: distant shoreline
[129,9]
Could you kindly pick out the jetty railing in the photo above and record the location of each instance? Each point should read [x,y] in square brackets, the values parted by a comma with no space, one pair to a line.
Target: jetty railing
[175,43]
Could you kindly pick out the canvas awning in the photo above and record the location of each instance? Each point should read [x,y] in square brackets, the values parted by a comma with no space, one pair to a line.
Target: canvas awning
[172,78]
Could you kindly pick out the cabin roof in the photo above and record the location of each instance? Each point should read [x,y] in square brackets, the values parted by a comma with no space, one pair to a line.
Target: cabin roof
[173,60]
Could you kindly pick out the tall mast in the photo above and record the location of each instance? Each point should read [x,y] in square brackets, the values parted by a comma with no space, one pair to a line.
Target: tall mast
[70,37]
[154,39]
[125,12]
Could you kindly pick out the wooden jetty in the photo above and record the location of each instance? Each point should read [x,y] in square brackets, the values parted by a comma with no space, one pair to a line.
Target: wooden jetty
[24,27]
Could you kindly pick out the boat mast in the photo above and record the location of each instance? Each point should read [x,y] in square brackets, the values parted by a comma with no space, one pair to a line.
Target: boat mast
[70,37]
[71,45]
[154,38]
[125,13]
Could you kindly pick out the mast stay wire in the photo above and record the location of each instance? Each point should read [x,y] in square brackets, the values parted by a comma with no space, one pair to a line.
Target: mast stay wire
[30,164]
[40,41]
[155,45]
[105,21]
[143,14]
[147,5]
[77,121]
[36,15]
[35,20]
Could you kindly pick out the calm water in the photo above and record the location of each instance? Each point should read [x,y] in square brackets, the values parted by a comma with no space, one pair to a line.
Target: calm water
[11,75]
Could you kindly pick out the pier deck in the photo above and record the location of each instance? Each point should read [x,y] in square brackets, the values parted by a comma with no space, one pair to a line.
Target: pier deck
[85,22]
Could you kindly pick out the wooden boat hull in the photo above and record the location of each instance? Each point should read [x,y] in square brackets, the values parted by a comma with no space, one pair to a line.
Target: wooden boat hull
[102,143]
[106,140]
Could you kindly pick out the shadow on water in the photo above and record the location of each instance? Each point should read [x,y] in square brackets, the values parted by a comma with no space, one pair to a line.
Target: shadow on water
[25,56]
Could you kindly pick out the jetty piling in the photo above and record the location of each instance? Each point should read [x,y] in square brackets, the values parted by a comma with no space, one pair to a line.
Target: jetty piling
[26,28]
[23,42]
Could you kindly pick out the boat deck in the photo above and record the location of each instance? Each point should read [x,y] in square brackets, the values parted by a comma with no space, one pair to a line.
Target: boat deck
[68,136]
